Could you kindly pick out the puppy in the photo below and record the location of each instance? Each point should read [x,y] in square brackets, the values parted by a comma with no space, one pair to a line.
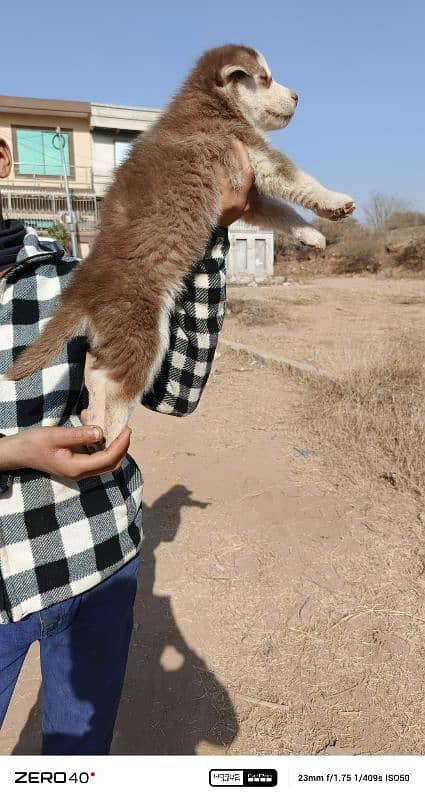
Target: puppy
[157,218]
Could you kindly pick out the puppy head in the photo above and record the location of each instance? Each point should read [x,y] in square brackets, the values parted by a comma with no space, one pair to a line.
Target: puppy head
[243,76]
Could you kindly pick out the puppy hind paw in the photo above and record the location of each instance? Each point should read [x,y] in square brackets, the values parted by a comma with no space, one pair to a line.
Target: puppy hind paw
[311,238]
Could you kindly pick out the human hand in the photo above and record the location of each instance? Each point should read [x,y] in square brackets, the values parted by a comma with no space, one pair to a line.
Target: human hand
[234,204]
[61,451]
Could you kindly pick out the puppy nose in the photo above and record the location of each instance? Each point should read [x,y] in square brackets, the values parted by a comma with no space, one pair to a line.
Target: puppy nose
[294,97]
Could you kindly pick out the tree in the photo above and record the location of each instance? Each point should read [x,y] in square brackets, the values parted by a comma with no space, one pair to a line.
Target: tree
[59,232]
[382,206]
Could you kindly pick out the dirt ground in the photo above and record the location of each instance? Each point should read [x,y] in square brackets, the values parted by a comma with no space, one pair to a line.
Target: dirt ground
[281,606]
[328,322]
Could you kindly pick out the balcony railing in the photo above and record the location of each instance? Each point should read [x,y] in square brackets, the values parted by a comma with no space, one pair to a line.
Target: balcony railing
[41,209]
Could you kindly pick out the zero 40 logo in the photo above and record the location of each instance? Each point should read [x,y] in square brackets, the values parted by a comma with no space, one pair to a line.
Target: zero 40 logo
[53,777]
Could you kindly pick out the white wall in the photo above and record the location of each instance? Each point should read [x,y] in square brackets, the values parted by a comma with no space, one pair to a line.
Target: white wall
[110,123]
[103,160]
[251,255]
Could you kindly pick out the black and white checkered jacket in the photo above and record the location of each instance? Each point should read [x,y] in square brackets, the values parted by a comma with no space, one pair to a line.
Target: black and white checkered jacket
[58,537]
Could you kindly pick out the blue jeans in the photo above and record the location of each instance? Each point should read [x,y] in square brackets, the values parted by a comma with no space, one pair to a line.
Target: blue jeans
[84,646]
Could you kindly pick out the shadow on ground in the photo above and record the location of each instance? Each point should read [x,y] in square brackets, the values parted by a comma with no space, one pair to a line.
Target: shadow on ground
[171,701]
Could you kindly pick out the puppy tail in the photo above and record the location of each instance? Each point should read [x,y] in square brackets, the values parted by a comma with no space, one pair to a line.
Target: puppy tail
[64,325]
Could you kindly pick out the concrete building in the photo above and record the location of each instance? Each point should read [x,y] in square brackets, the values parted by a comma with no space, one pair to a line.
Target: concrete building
[29,125]
[97,138]
[34,191]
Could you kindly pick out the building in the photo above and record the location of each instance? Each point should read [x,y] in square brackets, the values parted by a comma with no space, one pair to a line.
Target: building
[251,254]
[34,190]
[114,129]
[96,138]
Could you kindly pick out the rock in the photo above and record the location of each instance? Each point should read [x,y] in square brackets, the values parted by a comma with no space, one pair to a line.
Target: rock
[391,477]
[396,241]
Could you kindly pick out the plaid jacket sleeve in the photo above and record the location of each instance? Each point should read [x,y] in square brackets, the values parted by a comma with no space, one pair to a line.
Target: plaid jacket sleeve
[194,327]
[6,478]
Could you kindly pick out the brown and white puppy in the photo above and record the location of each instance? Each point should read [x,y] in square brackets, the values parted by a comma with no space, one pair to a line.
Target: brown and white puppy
[157,217]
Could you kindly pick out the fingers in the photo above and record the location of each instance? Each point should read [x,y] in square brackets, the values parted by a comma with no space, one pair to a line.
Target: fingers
[103,461]
[241,153]
[247,173]
[84,434]
[252,199]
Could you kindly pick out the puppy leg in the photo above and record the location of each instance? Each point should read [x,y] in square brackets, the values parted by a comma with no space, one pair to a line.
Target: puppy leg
[118,408]
[107,407]
[137,364]
[277,176]
[95,383]
[277,216]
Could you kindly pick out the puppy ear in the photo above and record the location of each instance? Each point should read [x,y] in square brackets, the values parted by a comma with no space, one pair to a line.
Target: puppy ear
[232,72]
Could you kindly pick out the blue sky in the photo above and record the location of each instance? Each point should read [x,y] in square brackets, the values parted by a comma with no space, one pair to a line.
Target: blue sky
[358,67]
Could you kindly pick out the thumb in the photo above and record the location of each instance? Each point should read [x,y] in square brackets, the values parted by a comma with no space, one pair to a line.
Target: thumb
[241,153]
[84,434]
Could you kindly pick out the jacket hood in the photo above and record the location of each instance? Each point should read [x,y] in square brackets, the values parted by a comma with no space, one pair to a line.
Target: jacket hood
[39,249]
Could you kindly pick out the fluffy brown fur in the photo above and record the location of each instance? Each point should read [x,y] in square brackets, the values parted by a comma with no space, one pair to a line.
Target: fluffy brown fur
[157,217]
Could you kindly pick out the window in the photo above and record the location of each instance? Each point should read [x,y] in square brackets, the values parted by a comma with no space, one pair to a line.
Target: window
[36,154]
[241,254]
[260,255]
[122,150]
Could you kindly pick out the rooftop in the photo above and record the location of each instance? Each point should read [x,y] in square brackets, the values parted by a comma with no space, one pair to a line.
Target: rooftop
[99,115]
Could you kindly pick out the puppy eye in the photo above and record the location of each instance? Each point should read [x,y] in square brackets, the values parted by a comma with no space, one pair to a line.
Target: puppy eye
[239,75]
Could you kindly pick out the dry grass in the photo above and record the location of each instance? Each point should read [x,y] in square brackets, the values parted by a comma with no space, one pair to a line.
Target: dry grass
[359,250]
[258,312]
[408,300]
[353,247]
[304,300]
[334,231]
[412,257]
[406,219]
[375,416]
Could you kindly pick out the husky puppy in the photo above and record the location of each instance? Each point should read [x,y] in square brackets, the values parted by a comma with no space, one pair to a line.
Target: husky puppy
[158,215]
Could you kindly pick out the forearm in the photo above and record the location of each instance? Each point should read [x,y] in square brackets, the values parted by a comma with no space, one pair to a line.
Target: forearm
[61,451]
[10,453]
[194,328]
[9,460]
[276,176]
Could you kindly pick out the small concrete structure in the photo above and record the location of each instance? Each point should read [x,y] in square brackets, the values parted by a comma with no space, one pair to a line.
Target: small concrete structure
[251,254]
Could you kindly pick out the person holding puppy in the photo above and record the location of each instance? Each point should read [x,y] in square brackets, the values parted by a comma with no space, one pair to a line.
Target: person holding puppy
[70,520]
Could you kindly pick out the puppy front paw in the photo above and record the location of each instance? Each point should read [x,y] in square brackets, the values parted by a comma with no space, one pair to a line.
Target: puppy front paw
[335,206]
[310,237]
